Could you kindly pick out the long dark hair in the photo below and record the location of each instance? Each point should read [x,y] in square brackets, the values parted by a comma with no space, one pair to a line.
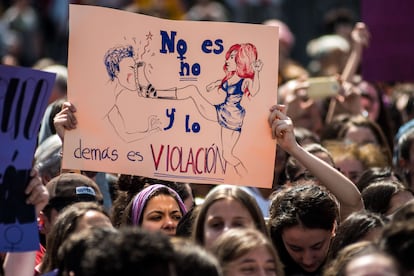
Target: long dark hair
[308,205]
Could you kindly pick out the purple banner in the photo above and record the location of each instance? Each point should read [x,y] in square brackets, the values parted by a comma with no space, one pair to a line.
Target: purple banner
[24,95]
[390,54]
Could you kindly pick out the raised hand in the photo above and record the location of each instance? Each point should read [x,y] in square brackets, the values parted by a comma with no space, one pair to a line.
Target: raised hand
[282,127]
[257,65]
[154,124]
[65,119]
[36,192]
[360,34]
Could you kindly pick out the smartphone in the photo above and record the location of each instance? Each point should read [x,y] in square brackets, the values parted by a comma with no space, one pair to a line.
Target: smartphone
[322,87]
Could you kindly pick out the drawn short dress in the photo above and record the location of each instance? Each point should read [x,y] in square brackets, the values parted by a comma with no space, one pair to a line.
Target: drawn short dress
[230,113]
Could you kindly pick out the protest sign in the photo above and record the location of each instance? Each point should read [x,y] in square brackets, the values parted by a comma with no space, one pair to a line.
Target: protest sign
[176,100]
[24,94]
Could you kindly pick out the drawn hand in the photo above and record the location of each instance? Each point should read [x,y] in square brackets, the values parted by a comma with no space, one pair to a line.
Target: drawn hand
[257,65]
[154,124]
[213,85]
[65,119]
[36,192]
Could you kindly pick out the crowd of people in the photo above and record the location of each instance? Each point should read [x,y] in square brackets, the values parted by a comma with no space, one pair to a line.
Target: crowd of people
[341,201]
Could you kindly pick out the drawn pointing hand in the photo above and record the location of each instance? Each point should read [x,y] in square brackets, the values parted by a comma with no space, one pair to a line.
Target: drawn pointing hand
[154,123]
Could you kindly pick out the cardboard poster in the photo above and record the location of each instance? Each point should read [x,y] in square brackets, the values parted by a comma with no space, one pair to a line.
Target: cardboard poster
[176,100]
[24,94]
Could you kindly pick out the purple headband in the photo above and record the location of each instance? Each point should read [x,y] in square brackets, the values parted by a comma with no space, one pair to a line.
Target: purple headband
[142,197]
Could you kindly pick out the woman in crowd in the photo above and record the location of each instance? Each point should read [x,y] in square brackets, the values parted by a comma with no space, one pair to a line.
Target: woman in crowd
[397,239]
[363,258]
[363,225]
[385,197]
[353,159]
[374,174]
[303,220]
[73,219]
[226,207]
[156,208]
[191,258]
[362,130]
[246,251]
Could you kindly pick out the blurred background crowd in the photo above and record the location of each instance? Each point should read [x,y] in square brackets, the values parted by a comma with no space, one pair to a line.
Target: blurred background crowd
[34,29]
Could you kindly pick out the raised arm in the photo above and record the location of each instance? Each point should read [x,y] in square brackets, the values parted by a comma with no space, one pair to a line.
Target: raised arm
[339,185]
[254,85]
[360,39]
[117,122]
[349,102]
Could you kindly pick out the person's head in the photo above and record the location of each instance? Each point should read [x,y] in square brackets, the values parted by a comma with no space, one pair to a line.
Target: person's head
[361,259]
[386,196]
[362,130]
[239,59]
[120,64]
[126,187]
[303,220]
[226,207]
[246,250]
[64,190]
[130,250]
[156,208]
[60,86]
[398,240]
[373,174]
[358,226]
[404,148]
[73,218]
[191,258]
[328,54]
[71,254]
[48,158]
[353,159]
[373,264]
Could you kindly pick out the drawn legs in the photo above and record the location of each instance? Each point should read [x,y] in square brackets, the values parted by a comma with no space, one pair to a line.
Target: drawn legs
[229,139]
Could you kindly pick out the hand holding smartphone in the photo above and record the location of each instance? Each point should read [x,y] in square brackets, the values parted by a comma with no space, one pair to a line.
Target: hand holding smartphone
[322,87]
